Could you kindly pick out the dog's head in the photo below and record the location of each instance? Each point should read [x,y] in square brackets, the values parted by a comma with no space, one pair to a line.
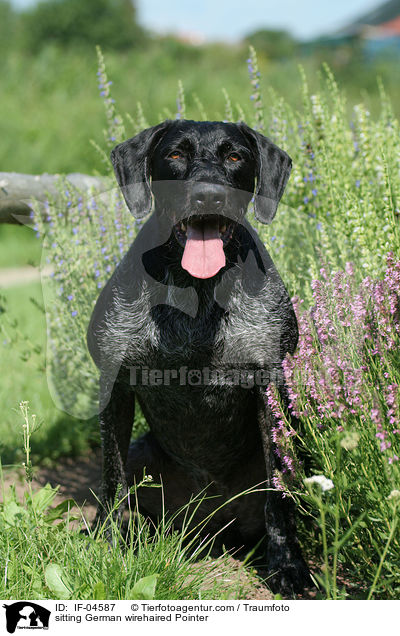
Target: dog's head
[202,176]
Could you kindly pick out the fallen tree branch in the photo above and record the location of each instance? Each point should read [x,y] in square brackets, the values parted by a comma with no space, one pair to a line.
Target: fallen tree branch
[17,191]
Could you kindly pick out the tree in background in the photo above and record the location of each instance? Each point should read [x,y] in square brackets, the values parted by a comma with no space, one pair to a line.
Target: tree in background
[109,23]
[8,21]
[273,44]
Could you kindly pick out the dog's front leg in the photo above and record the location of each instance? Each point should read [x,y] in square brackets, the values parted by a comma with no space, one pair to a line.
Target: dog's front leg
[117,403]
[287,570]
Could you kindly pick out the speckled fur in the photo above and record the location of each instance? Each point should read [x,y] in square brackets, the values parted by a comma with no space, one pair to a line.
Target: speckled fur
[153,314]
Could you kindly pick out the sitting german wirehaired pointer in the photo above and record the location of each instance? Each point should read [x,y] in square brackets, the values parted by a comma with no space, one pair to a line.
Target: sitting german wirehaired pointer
[194,323]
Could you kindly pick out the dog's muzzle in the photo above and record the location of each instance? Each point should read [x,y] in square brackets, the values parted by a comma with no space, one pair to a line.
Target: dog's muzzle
[204,233]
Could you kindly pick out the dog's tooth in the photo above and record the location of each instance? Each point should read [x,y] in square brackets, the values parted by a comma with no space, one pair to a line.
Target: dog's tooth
[223,228]
[183,227]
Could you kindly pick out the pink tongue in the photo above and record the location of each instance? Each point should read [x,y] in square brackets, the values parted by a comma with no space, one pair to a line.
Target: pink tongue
[204,250]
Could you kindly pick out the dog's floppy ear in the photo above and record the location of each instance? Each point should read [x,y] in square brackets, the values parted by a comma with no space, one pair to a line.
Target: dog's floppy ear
[273,170]
[131,161]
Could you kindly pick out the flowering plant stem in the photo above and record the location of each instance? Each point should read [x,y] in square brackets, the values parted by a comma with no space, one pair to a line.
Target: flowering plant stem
[325,549]
[336,545]
[393,527]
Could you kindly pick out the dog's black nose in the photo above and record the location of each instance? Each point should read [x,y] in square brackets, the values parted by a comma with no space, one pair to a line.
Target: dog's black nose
[207,196]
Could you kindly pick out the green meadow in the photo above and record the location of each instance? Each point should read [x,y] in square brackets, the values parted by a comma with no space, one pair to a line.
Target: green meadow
[336,243]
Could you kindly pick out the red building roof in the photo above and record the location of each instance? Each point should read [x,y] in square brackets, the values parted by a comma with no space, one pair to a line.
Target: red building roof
[392,27]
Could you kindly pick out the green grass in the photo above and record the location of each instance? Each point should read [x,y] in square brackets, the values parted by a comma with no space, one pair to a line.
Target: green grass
[41,559]
[19,246]
[43,556]
[23,377]
[50,106]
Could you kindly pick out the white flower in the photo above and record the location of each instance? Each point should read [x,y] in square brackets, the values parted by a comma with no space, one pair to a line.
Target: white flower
[321,480]
[395,494]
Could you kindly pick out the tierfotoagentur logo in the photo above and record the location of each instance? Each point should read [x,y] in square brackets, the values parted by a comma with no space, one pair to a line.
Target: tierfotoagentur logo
[244,378]
[26,615]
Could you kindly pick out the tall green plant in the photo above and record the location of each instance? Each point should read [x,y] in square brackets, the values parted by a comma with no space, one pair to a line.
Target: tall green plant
[343,198]
[341,204]
[343,384]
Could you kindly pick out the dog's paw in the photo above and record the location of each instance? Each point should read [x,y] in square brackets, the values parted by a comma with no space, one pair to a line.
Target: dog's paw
[289,578]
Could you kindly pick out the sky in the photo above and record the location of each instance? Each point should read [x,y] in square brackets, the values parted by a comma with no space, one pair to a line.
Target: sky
[232,19]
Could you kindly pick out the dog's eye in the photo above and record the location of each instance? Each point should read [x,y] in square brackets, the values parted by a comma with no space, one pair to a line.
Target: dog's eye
[175,154]
[234,157]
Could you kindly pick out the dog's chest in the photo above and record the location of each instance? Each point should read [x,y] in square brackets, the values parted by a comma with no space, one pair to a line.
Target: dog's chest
[242,335]
[195,375]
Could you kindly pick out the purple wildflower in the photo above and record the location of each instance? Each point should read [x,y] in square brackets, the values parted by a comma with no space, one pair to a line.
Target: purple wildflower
[329,376]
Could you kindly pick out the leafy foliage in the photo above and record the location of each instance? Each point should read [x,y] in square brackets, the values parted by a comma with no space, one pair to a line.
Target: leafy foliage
[108,23]
[274,44]
[343,383]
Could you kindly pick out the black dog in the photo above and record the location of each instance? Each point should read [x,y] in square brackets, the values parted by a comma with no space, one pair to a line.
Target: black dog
[195,322]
